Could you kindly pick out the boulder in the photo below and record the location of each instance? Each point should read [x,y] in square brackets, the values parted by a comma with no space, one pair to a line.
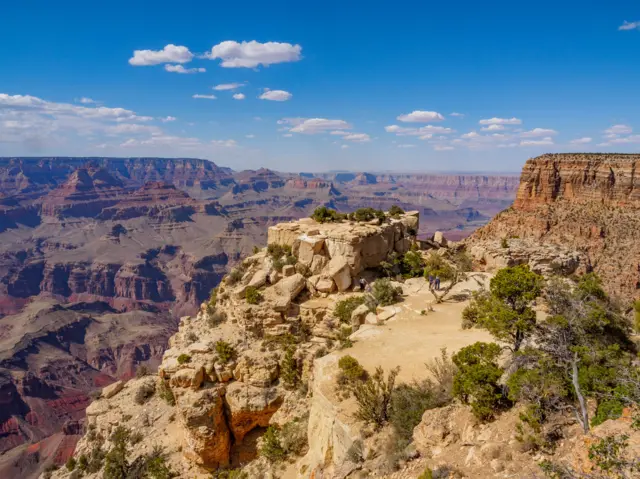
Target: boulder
[291,286]
[259,279]
[358,316]
[250,407]
[371,318]
[318,263]
[188,378]
[288,270]
[325,285]
[338,270]
[309,246]
[439,238]
[112,389]
[207,438]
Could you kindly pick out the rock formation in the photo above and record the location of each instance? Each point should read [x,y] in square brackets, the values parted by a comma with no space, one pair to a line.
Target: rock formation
[588,203]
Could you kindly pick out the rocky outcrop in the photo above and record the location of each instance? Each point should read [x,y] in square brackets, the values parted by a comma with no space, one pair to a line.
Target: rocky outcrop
[589,203]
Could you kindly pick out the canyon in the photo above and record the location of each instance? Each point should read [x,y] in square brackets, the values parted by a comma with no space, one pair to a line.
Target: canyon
[100,256]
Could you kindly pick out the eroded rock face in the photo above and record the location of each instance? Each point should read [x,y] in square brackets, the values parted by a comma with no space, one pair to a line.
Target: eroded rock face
[250,406]
[588,203]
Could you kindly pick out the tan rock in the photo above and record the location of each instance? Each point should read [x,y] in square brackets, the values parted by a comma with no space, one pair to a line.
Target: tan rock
[250,406]
[259,279]
[318,263]
[439,238]
[207,438]
[309,246]
[371,318]
[188,378]
[338,270]
[112,389]
[325,285]
[290,287]
[358,316]
[256,369]
[288,270]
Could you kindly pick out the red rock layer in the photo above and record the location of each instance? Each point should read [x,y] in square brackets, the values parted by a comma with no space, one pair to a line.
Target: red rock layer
[589,202]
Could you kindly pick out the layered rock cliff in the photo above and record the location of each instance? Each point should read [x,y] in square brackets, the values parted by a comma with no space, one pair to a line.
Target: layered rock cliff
[587,202]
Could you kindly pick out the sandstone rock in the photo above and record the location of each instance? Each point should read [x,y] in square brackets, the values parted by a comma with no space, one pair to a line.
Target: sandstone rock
[224,372]
[256,369]
[113,389]
[325,285]
[207,439]
[288,270]
[338,270]
[259,279]
[371,318]
[290,287]
[318,263]
[439,238]
[387,312]
[188,378]
[309,246]
[250,406]
[240,292]
[274,277]
[358,316]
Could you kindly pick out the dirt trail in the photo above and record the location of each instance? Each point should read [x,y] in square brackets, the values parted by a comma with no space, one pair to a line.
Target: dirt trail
[409,339]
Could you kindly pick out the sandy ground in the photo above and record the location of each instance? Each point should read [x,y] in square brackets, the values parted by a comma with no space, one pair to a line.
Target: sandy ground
[409,339]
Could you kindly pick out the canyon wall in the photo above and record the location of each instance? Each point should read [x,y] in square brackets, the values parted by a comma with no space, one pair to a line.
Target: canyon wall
[589,202]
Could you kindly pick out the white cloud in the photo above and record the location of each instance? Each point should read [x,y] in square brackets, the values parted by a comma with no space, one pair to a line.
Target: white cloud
[471,134]
[344,147]
[169,54]
[538,132]
[132,128]
[493,127]
[167,119]
[205,97]
[339,133]
[501,121]
[459,115]
[357,137]
[544,142]
[581,141]
[406,145]
[312,126]
[228,86]
[276,95]
[422,131]
[287,135]
[183,70]
[624,140]
[164,141]
[443,148]
[251,54]
[619,130]
[629,26]
[238,96]
[419,116]
[87,101]
[249,136]
[225,143]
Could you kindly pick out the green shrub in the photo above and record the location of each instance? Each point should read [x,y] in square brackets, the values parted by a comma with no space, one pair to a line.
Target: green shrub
[289,372]
[385,293]
[346,307]
[476,381]
[213,297]
[144,392]
[293,436]
[373,397]
[271,447]
[636,314]
[165,393]
[504,243]
[215,317]
[590,287]
[322,214]
[395,211]
[229,474]
[277,251]
[226,352]
[412,264]
[367,214]
[426,474]
[256,249]
[235,275]
[71,463]
[436,265]
[252,295]
[83,462]
[351,369]
[408,404]
[184,358]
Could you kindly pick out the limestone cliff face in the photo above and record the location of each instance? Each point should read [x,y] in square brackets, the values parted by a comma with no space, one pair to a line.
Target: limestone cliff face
[588,202]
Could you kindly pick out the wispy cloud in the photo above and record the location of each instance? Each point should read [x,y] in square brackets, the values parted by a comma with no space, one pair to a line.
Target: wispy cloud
[629,26]
[169,54]
[252,54]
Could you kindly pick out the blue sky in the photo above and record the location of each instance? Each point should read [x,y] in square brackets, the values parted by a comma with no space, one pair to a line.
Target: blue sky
[428,86]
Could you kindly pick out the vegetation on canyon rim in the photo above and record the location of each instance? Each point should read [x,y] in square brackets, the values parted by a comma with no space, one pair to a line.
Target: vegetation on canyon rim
[580,352]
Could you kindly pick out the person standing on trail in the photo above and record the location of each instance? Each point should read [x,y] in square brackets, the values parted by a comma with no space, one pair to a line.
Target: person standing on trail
[430,281]
[437,283]
[363,284]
